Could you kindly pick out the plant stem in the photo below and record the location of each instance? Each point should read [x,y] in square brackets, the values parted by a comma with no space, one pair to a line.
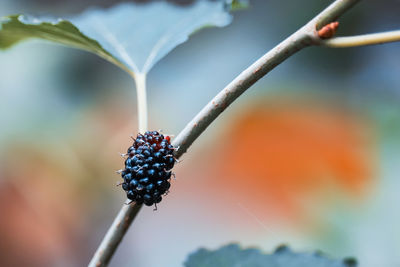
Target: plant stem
[128,212]
[361,40]
[140,80]
[304,37]
[114,235]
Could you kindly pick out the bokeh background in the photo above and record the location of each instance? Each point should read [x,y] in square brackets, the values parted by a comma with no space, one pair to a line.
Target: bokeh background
[309,156]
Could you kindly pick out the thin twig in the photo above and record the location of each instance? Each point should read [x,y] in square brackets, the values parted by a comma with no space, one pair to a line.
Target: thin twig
[129,210]
[304,37]
[361,40]
[114,235]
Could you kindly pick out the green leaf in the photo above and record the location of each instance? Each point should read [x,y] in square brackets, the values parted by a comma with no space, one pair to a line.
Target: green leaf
[233,255]
[132,36]
[16,28]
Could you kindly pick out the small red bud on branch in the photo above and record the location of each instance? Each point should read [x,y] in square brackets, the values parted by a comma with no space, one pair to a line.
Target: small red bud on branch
[328,31]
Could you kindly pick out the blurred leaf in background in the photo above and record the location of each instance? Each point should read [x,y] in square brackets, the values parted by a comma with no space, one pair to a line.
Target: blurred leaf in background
[233,255]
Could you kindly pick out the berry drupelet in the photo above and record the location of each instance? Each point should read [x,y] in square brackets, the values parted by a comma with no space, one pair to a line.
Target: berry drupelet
[148,165]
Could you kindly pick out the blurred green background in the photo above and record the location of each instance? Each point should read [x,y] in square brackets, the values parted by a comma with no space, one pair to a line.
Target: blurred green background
[309,156]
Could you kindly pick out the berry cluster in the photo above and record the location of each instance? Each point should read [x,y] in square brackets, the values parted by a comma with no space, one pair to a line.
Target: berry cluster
[147,168]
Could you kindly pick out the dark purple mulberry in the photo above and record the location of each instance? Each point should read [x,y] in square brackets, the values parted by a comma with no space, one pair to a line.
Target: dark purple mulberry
[147,172]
